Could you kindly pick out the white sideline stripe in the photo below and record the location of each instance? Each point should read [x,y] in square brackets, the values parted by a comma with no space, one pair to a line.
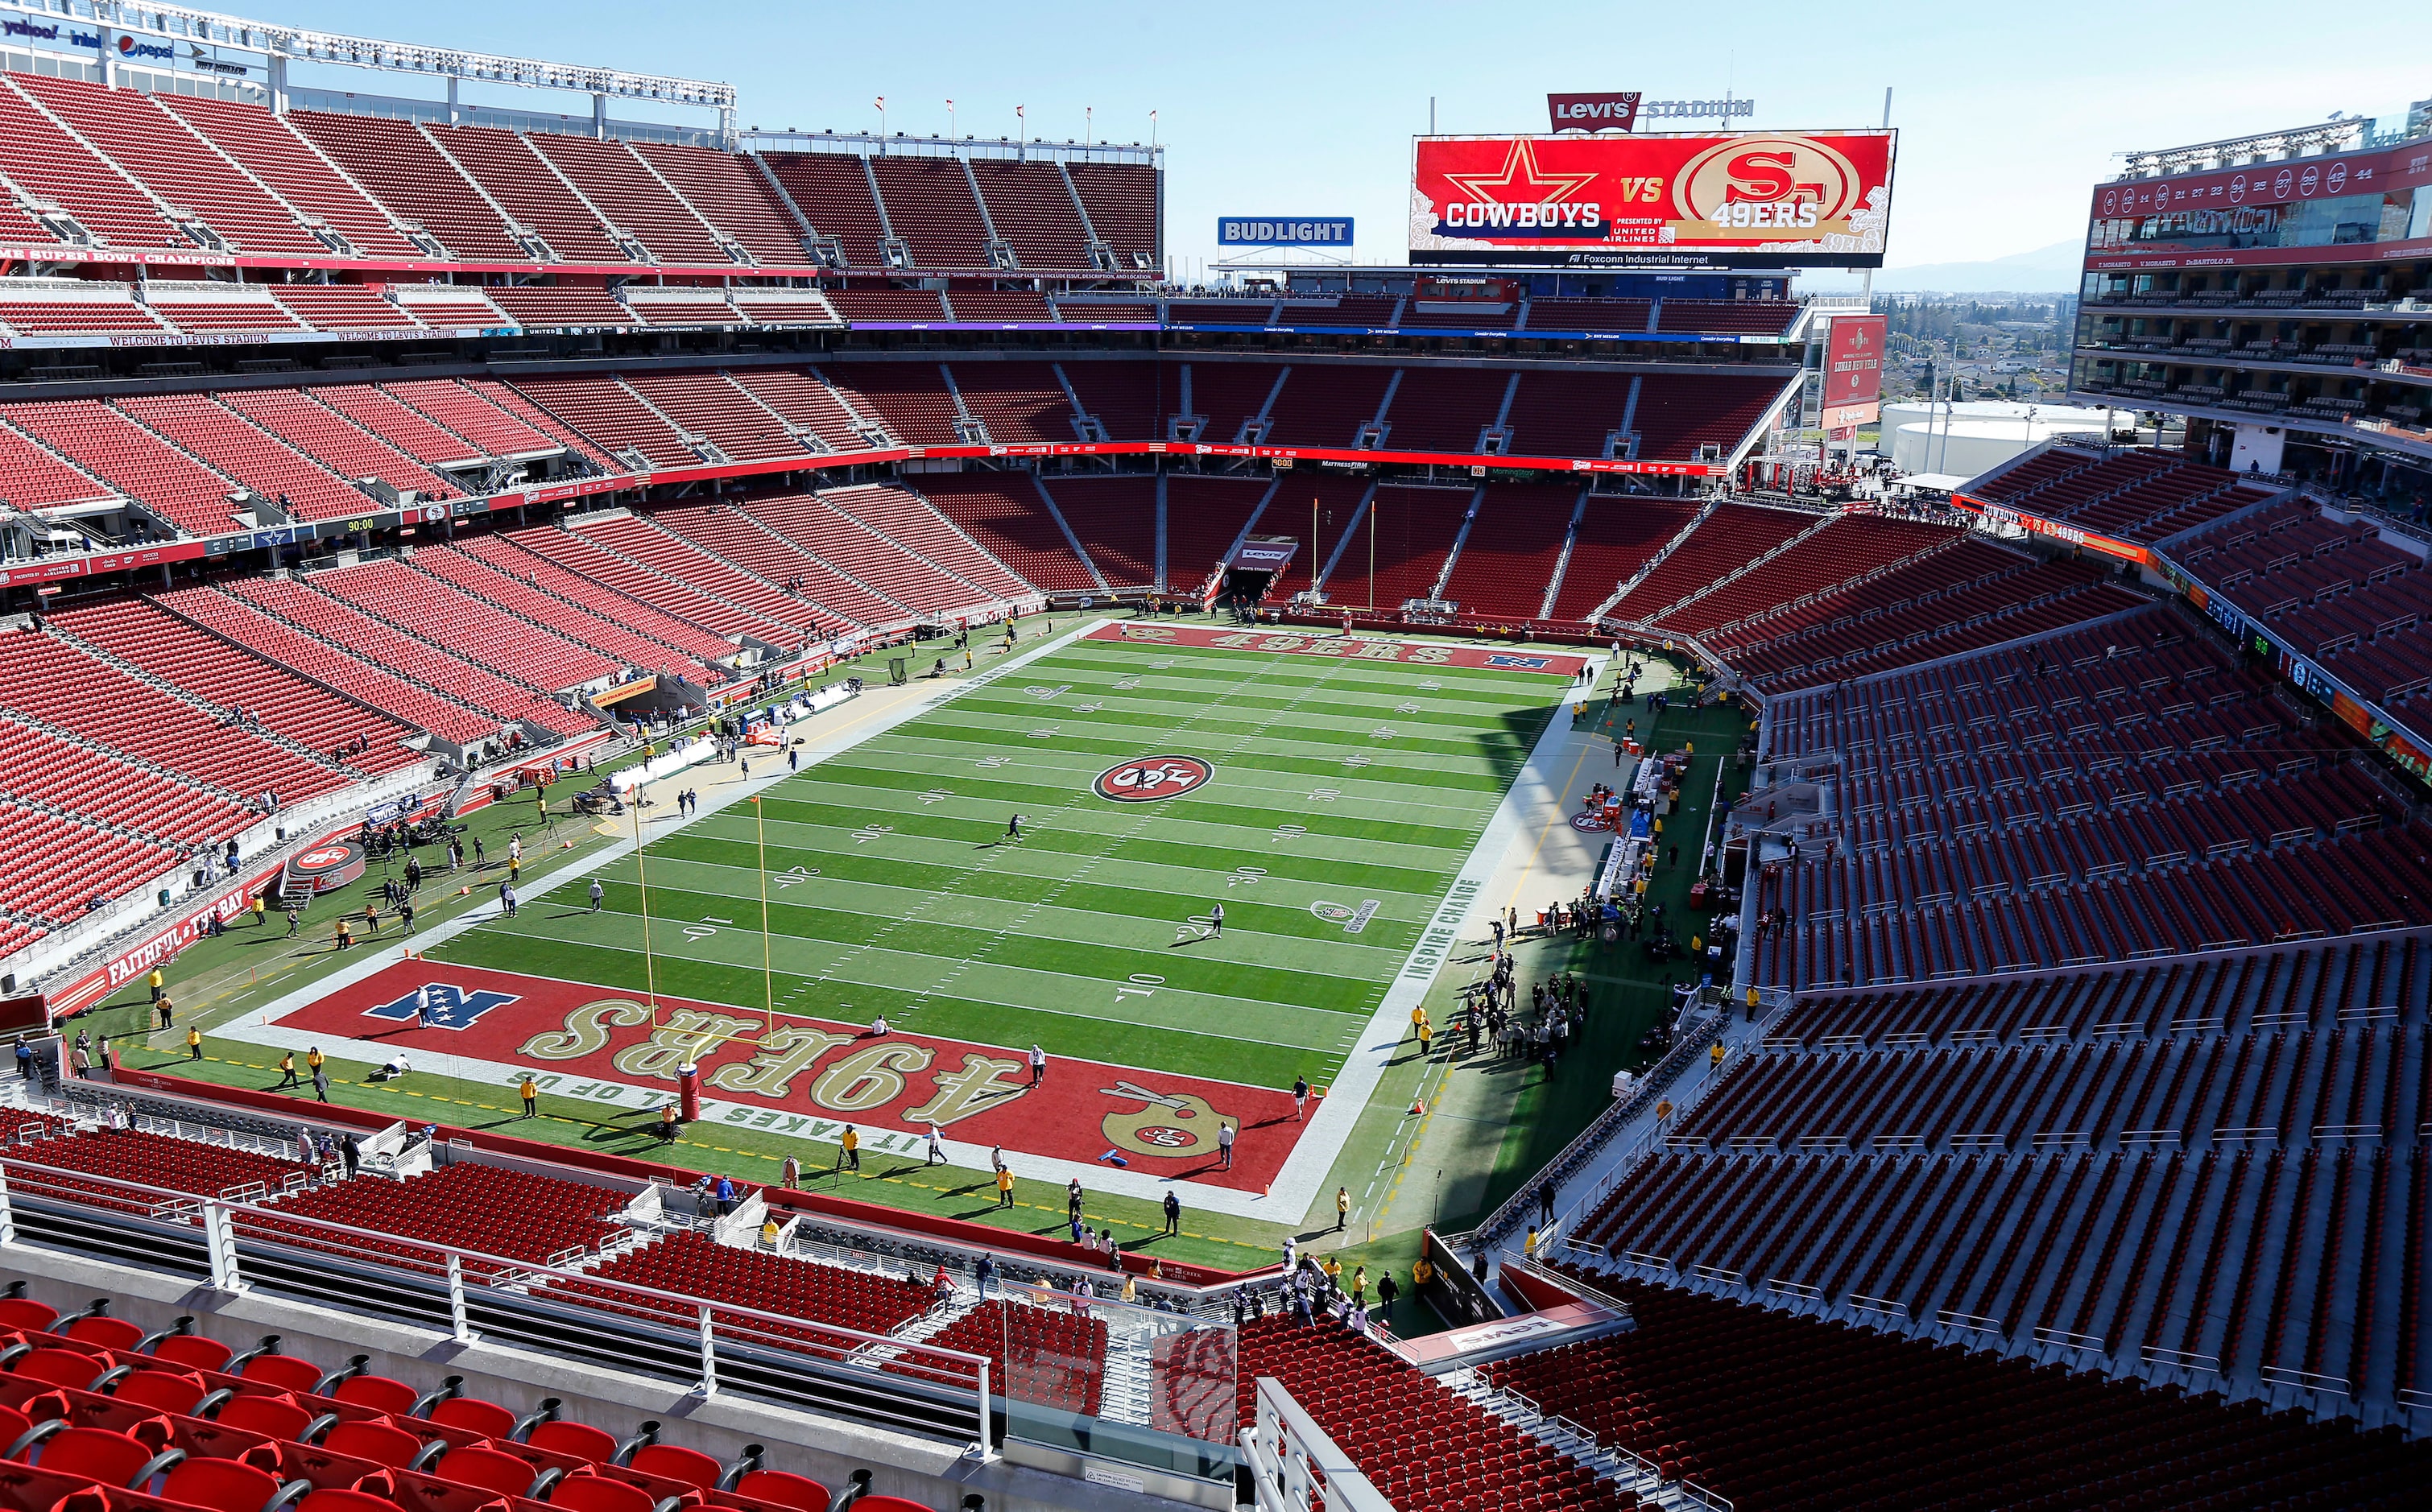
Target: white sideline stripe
[1287,1200]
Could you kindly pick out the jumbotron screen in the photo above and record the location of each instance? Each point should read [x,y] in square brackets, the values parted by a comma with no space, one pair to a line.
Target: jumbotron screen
[1743,200]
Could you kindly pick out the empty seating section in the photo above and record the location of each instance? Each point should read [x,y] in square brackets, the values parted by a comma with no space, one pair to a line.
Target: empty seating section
[350,630]
[336,442]
[1508,562]
[1847,547]
[1724,542]
[268,147]
[242,450]
[1121,199]
[560,304]
[852,546]
[1621,316]
[466,412]
[809,1289]
[1220,311]
[186,1165]
[451,307]
[1017,402]
[209,668]
[1726,317]
[1327,406]
[759,609]
[677,309]
[581,627]
[1203,516]
[827,598]
[514,176]
[1116,519]
[630,570]
[1031,207]
[991,305]
[247,625]
[910,398]
[45,678]
[705,404]
[621,187]
[103,790]
[1055,1359]
[1442,408]
[1347,312]
[205,313]
[51,165]
[2337,592]
[2137,496]
[801,400]
[1774,1411]
[33,476]
[397,164]
[1618,535]
[1409,533]
[136,463]
[1321,511]
[49,308]
[507,555]
[832,190]
[341,307]
[728,191]
[461,623]
[1227,396]
[183,172]
[1130,400]
[58,865]
[782,306]
[511,1214]
[929,204]
[1681,418]
[1458,314]
[905,517]
[1568,414]
[1089,312]
[1003,513]
[616,422]
[859,305]
[398,424]
[505,396]
[1424,1447]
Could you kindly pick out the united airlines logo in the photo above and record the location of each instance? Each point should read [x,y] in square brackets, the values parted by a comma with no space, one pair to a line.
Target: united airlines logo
[441,1005]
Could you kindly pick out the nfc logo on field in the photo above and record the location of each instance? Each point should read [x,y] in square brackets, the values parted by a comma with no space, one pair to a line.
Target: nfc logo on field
[1516,663]
[451,1006]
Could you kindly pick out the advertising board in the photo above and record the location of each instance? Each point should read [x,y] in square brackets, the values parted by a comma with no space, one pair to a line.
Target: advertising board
[1283,231]
[1853,371]
[1614,200]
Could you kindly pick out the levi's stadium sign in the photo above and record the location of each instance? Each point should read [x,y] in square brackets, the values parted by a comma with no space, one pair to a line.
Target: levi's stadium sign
[1758,199]
[1593,112]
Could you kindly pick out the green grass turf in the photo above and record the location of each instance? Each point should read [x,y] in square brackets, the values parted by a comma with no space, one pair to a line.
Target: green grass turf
[894,889]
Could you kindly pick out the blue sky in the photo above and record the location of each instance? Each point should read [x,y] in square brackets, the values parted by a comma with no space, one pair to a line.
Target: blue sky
[2008,116]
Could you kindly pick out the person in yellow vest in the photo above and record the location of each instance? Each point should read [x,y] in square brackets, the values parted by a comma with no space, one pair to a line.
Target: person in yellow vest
[1422,1274]
[1427,1037]
[155,981]
[1751,1002]
[1342,1208]
[529,1091]
[261,911]
[849,1149]
[1529,1247]
[1663,1110]
[1004,1186]
[1419,1024]
[193,1044]
[769,1231]
[667,1123]
[287,1071]
[1715,1056]
[313,1059]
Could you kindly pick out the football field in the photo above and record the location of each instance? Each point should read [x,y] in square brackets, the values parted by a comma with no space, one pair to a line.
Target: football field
[1325,794]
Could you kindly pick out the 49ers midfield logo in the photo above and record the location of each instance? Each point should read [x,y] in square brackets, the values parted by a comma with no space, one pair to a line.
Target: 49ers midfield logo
[1147,779]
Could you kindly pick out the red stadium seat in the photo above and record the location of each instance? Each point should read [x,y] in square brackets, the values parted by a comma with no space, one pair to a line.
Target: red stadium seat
[287,1372]
[95,1453]
[273,1415]
[784,1489]
[379,1392]
[201,1353]
[677,1463]
[345,1501]
[579,1439]
[221,1485]
[61,1368]
[383,1443]
[596,1493]
[489,1469]
[175,1391]
[109,1333]
[27,1314]
[487,1419]
[887,1503]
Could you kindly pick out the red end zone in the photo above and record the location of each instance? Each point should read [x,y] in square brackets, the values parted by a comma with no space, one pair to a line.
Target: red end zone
[1411,654]
[808,1077]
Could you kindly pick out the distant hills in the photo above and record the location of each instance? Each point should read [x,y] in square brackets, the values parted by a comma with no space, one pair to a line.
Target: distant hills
[2055,269]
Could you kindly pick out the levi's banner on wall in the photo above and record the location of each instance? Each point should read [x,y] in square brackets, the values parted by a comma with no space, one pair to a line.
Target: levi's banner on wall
[1744,199]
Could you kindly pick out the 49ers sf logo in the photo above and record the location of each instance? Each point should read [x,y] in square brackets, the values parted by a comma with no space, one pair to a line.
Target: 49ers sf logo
[1147,779]
[1775,183]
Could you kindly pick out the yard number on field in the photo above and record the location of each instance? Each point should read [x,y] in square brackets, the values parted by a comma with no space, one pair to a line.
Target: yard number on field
[1142,984]
[1289,831]
[796,874]
[872,832]
[707,927]
[1246,876]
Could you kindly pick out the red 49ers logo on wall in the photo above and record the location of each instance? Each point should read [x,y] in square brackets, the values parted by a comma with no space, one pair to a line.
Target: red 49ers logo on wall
[1147,779]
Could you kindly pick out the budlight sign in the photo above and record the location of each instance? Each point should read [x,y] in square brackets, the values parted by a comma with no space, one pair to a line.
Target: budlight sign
[1329,231]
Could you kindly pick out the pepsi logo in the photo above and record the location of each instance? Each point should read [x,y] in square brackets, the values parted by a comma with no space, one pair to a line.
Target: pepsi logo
[1149,778]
